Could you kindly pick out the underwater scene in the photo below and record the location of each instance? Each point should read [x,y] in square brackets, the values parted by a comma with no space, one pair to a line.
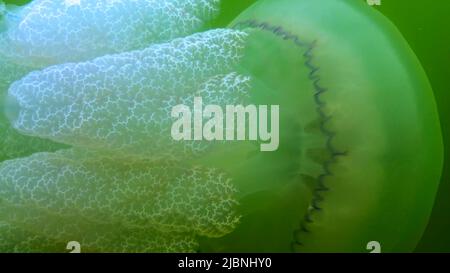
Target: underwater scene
[224,126]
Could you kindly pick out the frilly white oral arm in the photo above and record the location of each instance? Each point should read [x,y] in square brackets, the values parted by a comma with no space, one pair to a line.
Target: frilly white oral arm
[115,191]
[47,32]
[75,194]
[101,239]
[122,103]
[12,143]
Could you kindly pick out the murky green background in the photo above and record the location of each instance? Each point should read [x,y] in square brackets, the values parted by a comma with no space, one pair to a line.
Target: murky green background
[426,26]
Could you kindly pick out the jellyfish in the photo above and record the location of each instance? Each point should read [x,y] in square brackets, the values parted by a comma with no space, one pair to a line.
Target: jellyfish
[359,157]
